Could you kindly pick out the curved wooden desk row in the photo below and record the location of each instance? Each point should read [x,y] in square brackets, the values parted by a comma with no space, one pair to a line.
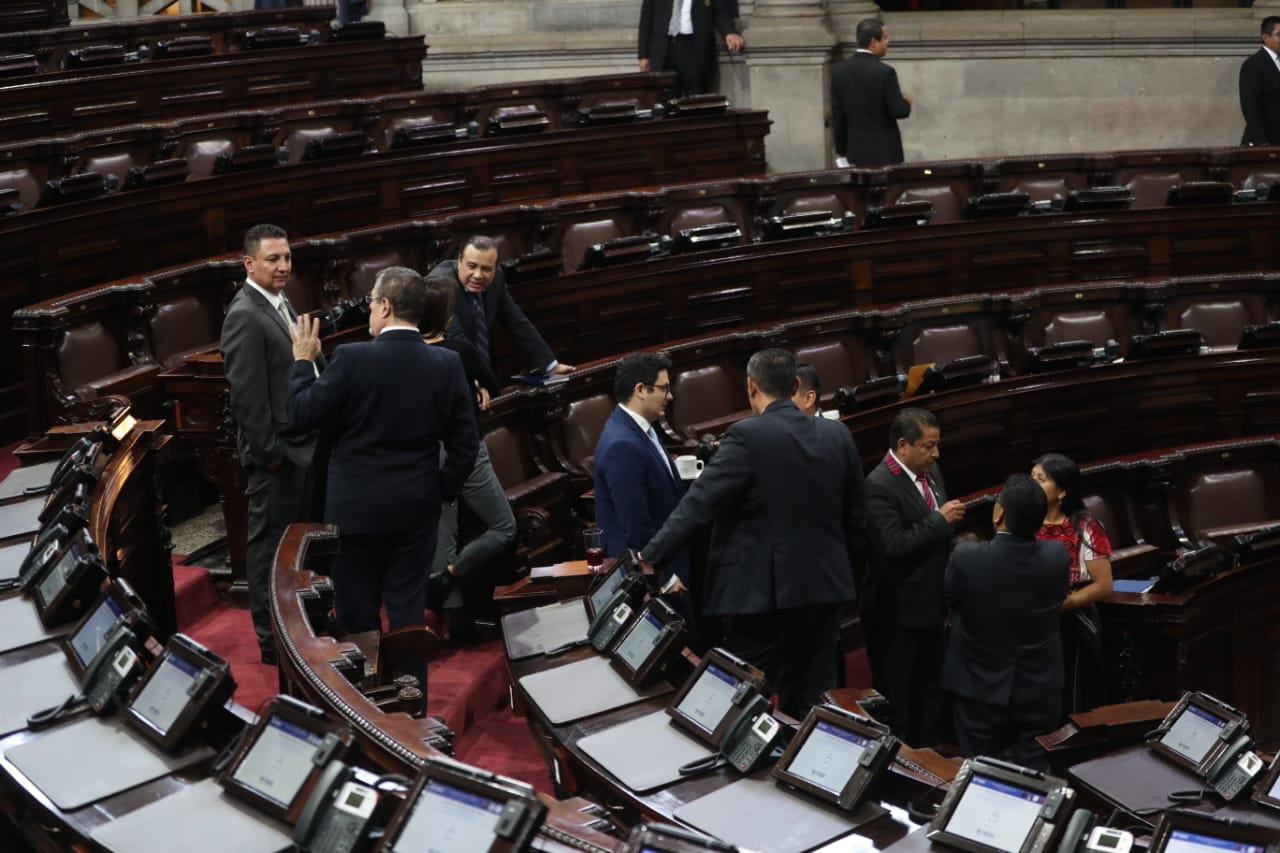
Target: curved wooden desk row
[1212,636]
[127,514]
[570,825]
[47,252]
[322,671]
[222,32]
[62,170]
[117,335]
[19,15]
[66,101]
[317,668]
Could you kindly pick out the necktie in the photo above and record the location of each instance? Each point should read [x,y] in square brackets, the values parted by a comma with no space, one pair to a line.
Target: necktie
[677,10]
[653,437]
[286,311]
[481,326]
[928,493]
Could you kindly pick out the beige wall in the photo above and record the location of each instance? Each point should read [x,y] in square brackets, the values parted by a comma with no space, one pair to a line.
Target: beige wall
[984,83]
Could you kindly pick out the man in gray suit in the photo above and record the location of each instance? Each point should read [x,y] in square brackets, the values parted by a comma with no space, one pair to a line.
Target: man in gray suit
[784,497]
[257,353]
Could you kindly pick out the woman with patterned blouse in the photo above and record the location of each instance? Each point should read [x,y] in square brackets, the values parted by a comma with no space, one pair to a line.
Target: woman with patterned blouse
[1087,545]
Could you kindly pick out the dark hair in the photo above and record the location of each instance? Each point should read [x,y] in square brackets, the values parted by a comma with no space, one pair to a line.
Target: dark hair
[774,371]
[637,368]
[808,376]
[440,299]
[1066,476]
[478,242]
[911,424]
[254,236]
[404,289]
[1269,24]
[1024,505]
[869,30]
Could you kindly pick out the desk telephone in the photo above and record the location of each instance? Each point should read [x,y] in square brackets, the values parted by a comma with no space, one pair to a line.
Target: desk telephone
[1209,738]
[112,671]
[751,739]
[341,814]
[609,620]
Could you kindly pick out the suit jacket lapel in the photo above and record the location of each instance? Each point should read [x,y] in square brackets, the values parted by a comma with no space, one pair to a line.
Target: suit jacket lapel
[263,305]
[665,459]
[907,483]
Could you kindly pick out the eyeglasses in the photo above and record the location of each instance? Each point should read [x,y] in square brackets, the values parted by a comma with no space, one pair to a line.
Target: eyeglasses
[665,388]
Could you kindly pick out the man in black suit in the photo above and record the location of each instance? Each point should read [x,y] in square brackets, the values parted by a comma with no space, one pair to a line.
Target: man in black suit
[1260,88]
[679,36]
[784,496]
[484,301]
[901,607]
[276,456]
[387,406]
[1004,658]
[866,103]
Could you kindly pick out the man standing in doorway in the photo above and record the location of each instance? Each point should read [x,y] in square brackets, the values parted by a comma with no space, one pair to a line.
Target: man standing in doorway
[679,36]
[866,103]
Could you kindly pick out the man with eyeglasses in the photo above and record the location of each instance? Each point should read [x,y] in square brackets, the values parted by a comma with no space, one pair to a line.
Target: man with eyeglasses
[1260,88]
[389,405]
[637,484]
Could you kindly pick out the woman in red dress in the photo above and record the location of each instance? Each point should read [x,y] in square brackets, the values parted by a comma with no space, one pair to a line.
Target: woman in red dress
[1087,545]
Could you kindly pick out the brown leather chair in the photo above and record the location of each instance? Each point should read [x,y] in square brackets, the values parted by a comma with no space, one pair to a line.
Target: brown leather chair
[539,498]
[705,399]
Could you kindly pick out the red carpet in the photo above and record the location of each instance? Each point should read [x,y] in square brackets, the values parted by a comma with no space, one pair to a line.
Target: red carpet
[465,687]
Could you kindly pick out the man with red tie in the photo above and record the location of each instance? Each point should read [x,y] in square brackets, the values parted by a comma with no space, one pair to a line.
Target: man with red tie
[902,606]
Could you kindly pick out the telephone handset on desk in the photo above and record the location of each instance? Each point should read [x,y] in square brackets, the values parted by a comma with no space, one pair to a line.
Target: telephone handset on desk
[1082,836]
[725,704]
[48,544]
[116,664]
[340,815]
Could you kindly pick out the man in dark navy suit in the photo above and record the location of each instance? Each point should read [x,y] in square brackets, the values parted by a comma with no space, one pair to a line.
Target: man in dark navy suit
[1004,658]
[866,103]
[387,406]
[1260,88]
[785,500]
[636,485]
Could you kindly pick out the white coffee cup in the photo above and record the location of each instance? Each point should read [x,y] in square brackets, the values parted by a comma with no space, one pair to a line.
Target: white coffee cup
[689,467]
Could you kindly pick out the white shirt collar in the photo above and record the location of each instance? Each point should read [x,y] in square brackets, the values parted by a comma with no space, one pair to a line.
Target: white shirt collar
[640,420]
[1270,52]
[276,299]
[391,326]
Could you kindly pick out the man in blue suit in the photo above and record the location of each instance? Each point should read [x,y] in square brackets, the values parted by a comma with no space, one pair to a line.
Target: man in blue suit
[387,406]
[637,486]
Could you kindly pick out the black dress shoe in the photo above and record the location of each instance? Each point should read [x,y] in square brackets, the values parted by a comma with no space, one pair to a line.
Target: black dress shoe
[269,657]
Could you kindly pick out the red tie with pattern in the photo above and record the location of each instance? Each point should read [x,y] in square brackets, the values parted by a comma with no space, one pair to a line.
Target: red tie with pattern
[928,492]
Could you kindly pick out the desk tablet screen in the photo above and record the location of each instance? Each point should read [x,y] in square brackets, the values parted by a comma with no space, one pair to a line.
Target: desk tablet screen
[829,756]
[93,634]
[608,586]
[997,814]
[1190,842]
[710,698]
[639,642]
[449,820]
[56,579]
[279,761]
[1274,793]
[166,693]
[1194,733]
